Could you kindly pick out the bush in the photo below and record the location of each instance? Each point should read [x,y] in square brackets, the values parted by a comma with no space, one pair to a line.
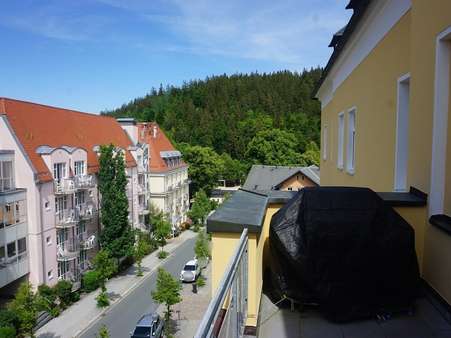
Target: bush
[91,281]
[162,254]
[75,297]
[8,318]
[46,299]
[200,281]
[125,263]
[102,299]
[63,290]
[7,332]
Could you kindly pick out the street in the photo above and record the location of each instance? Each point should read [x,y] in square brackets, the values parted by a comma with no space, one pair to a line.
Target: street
[123,316]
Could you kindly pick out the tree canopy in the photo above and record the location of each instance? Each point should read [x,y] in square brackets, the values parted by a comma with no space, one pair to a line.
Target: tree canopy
[218,123]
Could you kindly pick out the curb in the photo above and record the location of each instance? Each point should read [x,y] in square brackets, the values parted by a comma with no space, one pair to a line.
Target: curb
[128,291]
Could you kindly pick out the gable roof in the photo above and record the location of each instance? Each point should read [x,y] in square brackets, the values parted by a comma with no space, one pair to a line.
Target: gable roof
[37,125]
[159,145]
[266,177]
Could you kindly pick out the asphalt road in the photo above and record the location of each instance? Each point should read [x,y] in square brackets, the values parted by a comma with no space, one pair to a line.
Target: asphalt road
[123,316]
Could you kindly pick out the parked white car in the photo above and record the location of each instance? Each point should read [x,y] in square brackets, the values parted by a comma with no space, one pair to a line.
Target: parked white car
[190,271]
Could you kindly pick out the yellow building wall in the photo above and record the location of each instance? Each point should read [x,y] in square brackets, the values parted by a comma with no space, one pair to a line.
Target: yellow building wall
[429,18]
[297,182]
[222,248]
[372,89]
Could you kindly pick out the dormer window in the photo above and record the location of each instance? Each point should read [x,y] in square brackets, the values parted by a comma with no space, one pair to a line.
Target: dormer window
[79,168]
[6,175]
[59,171]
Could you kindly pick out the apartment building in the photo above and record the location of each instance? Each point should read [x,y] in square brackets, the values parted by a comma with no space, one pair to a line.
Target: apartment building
[167,175]
[140,152]
[386,120]
[13,223]
[56,161]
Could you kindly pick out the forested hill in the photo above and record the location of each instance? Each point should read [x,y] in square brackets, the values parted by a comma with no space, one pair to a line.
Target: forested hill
[255,118]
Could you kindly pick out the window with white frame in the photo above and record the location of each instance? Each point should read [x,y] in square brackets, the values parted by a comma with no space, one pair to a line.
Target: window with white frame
[6,175]
[350,151]
[341,138]
[325,142]
[79,168]
[59,171]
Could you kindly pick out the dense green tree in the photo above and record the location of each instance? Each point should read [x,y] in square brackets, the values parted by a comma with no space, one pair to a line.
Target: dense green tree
[141,249]
[273,147]
[200,208]
[311,154]
[116,235]
[25,306]
[167,291]
[105,266]
[204,167]
[161,230]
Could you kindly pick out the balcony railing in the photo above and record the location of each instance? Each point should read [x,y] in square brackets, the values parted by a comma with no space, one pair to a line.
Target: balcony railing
[141,189]
[84,212]
[64,186]
[65,218]
[68,250]
[143,209]
[232,295]
[84,181]
[87,241]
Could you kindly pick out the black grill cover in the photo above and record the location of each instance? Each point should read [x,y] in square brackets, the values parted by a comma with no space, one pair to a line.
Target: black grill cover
[344,249]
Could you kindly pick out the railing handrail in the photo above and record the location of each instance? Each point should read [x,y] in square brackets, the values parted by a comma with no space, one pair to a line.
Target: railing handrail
[206,326]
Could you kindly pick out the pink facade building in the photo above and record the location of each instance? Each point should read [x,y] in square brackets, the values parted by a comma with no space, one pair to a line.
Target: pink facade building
[55,162]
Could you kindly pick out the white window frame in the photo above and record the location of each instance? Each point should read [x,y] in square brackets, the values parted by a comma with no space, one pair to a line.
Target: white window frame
[351,141]
[440,122]
[79,168]
[325,142]
[402,133]
[63,170]
[341,140]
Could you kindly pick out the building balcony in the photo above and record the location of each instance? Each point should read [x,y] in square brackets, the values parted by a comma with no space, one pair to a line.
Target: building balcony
[143,209]
[65,218]
[13,268]
[141,189]
[84,212]
[84,182]
[64,186]
[87,241]
[68,250]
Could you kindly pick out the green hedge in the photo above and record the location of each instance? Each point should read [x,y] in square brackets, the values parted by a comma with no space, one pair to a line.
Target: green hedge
[91,281]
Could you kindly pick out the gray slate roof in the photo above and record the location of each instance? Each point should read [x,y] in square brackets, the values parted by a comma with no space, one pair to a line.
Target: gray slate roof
[266,177]
[245,209]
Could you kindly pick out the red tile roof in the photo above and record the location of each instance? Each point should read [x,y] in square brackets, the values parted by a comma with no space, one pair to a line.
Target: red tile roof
[156,144]
[37,124]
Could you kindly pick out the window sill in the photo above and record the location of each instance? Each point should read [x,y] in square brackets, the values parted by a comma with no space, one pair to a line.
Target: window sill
[443,222]
[350,172]
[411,198]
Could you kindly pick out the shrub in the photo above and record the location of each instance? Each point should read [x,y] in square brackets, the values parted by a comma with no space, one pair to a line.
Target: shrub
[102,299]
[63,290]
[91,281]
[75,297]
[200,281]
[162,254]
[7,332]
[103,332]
[9,318]
[46,298]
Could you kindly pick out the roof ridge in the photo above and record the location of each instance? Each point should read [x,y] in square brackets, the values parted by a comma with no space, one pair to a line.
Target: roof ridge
[3,99]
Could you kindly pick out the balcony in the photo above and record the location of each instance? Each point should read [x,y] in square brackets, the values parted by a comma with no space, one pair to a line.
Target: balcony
[84,182]
[13,268]
[84,212]
[141,189]
[64,186]
[65,218]
[68,250]
[88,241]
[143,209]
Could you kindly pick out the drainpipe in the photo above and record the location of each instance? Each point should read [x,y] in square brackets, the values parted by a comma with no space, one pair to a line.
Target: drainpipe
[42,233]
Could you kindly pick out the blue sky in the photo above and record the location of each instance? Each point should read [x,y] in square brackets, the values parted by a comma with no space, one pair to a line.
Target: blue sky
[92,55]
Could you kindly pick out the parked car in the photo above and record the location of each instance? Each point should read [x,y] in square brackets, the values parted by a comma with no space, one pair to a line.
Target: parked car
[150,325]
[190,271]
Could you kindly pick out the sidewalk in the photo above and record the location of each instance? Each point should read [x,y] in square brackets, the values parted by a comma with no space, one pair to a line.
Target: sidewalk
[84,312]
